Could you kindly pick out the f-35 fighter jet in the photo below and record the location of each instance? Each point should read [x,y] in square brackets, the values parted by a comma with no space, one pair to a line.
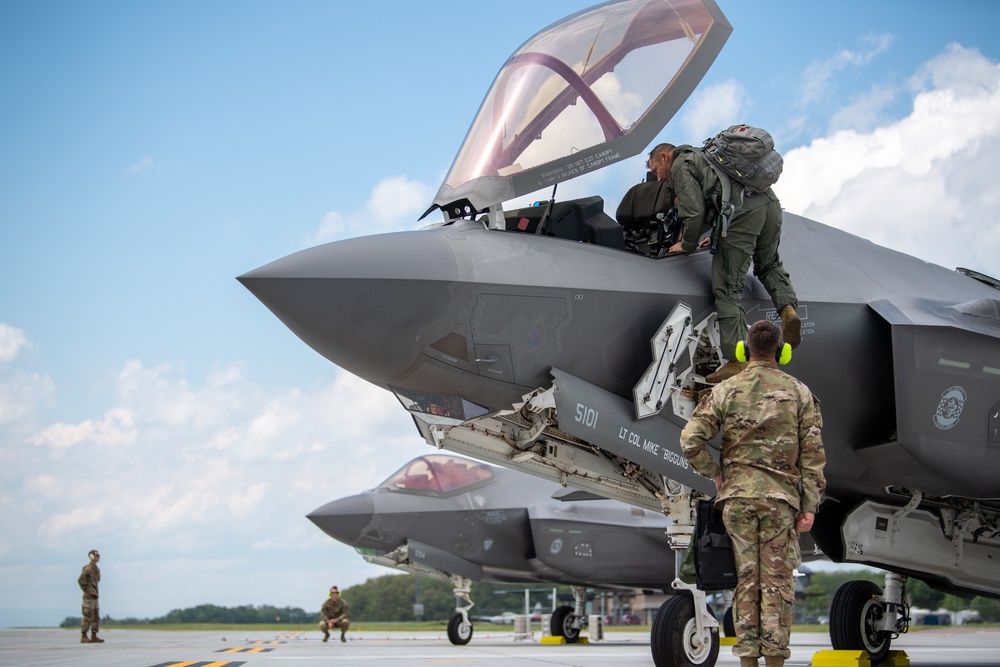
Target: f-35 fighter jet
[532,339]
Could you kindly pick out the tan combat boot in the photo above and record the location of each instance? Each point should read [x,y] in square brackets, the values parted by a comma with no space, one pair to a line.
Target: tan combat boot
[774,661]
[343,638]
[94,639]
[83,638]
[791,326]
[746,661]
[727,371]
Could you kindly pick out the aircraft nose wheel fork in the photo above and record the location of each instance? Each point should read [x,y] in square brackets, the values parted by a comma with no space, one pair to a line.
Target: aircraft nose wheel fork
[568,621]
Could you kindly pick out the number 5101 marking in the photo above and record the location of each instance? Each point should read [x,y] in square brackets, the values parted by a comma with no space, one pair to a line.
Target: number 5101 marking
[586,416]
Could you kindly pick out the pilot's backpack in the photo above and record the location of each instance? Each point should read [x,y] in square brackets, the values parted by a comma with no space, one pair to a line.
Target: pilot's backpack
[744,154]
[713,551]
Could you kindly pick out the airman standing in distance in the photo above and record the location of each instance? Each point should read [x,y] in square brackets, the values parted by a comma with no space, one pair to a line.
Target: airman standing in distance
[769,486]
[754,234]
[90,577]
[334,613]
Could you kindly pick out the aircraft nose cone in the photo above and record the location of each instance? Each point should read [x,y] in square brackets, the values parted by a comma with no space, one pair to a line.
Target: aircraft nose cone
[345,520]
[361,302]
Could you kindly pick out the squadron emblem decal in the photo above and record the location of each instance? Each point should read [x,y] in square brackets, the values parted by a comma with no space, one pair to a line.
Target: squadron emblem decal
[950,408]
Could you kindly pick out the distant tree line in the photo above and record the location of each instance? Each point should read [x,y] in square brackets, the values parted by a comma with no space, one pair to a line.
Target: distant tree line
[391,598]
[210,613]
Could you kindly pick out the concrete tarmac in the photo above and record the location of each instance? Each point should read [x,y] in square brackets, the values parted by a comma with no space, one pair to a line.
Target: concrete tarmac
[151,648]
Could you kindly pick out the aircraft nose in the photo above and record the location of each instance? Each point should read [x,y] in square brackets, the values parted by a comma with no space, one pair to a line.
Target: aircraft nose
[361,302]
[345,520]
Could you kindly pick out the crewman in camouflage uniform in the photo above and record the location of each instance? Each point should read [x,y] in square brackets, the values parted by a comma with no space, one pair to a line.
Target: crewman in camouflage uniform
[334,613]
[769,485]
[754,234]
[90,577]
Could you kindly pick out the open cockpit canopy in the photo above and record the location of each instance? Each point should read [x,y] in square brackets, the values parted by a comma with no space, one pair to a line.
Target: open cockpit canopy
[588,91]
[438,473]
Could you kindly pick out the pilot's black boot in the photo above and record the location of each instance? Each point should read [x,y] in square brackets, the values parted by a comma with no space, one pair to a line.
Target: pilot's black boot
[791,326]
[727,371]
[326,636]
[94,639]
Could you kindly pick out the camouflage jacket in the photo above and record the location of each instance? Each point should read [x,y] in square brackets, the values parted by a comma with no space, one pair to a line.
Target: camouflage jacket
[771,437]
[89,578]
[333,609]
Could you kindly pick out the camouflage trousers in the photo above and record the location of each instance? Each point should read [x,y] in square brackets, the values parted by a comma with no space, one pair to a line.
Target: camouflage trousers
[766,548]
[343,624]
[754,235]
[91,615]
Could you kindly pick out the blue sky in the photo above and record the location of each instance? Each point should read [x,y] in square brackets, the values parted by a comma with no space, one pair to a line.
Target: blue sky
[151,152]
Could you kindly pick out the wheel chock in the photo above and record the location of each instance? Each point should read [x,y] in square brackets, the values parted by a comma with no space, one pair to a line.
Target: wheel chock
[552,639]
[727,641]
[841,659]
[896,659]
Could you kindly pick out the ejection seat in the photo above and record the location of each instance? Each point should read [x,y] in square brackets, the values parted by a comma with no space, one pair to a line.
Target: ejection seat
[576,220]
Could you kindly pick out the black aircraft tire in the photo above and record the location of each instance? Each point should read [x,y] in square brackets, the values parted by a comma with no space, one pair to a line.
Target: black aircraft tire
[853,614]
[670,636]
[459,632]
[729,623]
[561,625]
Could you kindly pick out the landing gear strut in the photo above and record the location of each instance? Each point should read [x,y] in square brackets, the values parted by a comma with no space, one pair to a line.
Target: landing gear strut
[862,617]
[460,625]
[568,621]
[685,632]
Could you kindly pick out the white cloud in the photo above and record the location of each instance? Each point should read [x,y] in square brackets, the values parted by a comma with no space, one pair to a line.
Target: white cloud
[395,204]
[143,165]
[201,459]
[21,393]
[922,185]
[864,112]
[114,429]
[12,341]
[816,84]
[712,109]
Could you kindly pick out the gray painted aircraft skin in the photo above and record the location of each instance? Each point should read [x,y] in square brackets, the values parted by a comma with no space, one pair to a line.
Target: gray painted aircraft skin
[531,339]
[498,525]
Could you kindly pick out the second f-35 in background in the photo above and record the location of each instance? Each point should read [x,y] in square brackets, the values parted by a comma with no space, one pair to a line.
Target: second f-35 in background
[461,521]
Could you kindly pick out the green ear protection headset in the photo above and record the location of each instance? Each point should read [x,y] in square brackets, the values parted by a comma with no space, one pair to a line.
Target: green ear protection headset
[782,355]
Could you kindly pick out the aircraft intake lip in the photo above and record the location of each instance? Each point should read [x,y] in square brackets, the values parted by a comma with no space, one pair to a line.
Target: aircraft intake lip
[345,520]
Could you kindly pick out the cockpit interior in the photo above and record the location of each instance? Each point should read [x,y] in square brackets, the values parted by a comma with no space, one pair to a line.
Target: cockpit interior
[438,474]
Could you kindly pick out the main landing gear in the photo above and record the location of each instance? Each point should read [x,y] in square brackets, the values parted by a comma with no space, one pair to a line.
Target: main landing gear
[863,617]
[460,625]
